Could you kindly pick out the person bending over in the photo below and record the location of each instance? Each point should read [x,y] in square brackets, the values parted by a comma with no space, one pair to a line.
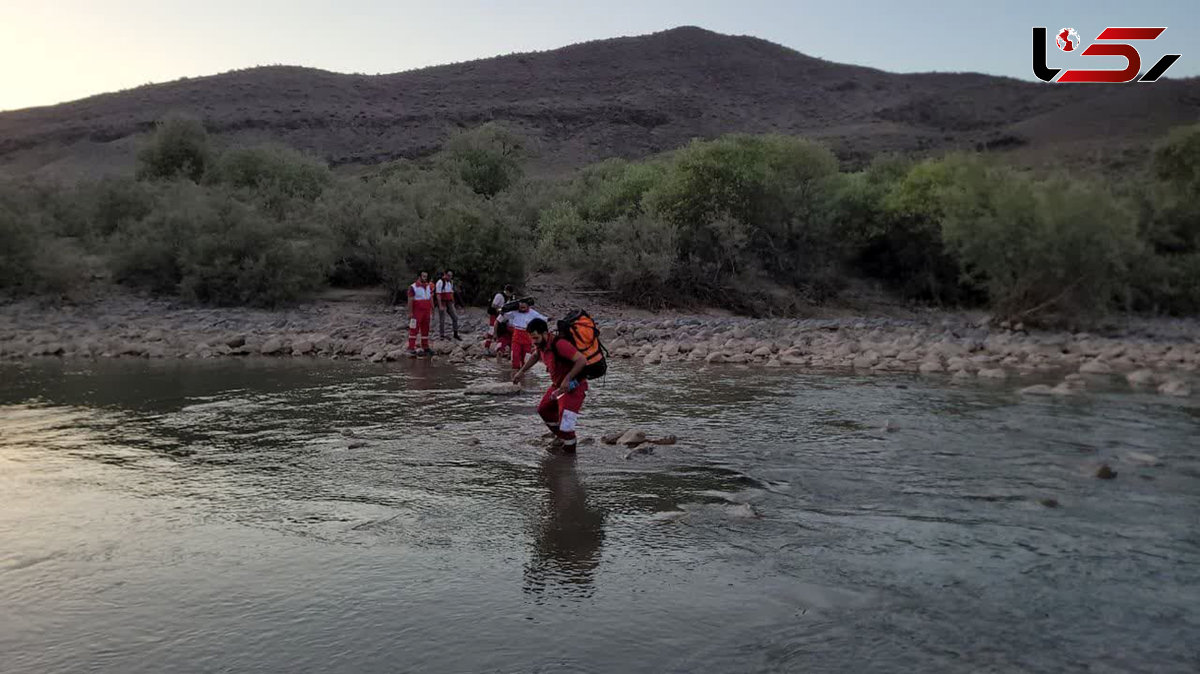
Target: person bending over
[562,402]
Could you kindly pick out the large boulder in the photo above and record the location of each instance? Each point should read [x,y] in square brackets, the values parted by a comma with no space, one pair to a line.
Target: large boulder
[271,347]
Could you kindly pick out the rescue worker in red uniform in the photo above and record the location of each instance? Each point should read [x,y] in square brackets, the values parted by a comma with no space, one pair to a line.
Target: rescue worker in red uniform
[561,403]
[420,314]
[518,321]
[501,298]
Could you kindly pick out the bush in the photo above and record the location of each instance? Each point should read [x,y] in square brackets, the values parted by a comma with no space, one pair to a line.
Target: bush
[179,148]
[1058,248]
[281,180]
[487,158]
[18,247]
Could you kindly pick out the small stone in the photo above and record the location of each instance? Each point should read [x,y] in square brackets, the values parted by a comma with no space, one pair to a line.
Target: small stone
[1049,502]
[1106,473]
[1175,387]
[1095,367]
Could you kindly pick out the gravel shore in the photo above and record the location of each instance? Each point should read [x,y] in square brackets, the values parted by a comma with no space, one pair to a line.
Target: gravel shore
[1162,355]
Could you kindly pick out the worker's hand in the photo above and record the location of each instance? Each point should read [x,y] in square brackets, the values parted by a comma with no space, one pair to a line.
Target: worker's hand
[516,378]
[563,388]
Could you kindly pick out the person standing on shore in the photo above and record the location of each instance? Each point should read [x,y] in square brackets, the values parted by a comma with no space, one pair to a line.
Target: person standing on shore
[517,322]
[446,300]
[562,402]
[498,301]
[420,313]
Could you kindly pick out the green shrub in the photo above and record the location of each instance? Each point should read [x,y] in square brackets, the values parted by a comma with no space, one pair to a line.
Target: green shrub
[281,180]
[179,148]
[18,248]
[1057,248]
[487,158]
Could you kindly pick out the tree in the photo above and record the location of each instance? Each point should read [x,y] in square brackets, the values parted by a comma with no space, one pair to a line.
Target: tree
[178,148]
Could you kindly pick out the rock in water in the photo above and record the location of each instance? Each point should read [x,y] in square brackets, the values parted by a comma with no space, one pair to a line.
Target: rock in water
[1038,390]
[1175,387]
[1106,473]
[665,440]
[632,438]
[611,438]
[493,388]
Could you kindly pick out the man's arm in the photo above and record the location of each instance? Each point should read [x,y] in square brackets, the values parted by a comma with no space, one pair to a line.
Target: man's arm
[530,361]
[579,361]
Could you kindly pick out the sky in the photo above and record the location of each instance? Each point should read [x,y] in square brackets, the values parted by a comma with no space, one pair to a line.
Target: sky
[58,50]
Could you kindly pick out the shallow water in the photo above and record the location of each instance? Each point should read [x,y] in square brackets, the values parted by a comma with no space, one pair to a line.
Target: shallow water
[294,516]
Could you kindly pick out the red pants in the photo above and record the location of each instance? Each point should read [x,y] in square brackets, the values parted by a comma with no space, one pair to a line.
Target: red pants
[423,313]
[522,346]
[487,342]
[562,412]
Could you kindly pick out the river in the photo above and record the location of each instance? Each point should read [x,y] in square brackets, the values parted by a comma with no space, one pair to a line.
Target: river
[303,516]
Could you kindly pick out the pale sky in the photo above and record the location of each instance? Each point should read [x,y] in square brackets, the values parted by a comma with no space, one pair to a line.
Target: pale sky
[59,50]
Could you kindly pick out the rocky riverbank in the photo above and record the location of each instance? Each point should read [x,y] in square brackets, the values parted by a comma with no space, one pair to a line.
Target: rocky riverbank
[1158,355]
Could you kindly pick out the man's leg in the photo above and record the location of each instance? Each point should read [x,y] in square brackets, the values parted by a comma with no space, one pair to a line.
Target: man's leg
[423,324]
[413,326]
[454,317]
[442,321]
[570,406]
[487,341]
[549,411]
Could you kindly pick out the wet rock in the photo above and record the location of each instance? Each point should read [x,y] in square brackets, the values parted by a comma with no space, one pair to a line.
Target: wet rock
[761,352]
[1143,459]
[644,449]
[587,442]
[715,358]
[1039,390]
[995,373]
[1140,378]
[1049,502]
[890,426]
[739,358]
[787,359]
[1105,472]
[773,363]
[963,374]
[493,388]
[1095,367]
[930,367]
[1065,389]
[632,438]
[742,511]
[271,347]
[665,440]
[653,358]
[1175,387]
[611,438]
[237,341]
[474,442]
[303,348]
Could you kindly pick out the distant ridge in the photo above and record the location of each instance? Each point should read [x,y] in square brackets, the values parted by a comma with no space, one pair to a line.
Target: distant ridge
[627,97]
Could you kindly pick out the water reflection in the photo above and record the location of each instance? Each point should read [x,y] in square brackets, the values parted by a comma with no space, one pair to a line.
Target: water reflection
[568,537]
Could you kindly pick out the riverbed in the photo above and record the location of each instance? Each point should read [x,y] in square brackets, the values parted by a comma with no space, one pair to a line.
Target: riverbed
[295,515]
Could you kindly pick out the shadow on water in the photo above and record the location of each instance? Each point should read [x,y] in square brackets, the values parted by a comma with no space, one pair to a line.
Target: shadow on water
[568,537]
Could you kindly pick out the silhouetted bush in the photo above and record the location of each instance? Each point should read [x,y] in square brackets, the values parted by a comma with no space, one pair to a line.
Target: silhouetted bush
[179,148]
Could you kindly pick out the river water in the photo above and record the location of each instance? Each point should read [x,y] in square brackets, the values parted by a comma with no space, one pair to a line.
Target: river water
[299,516]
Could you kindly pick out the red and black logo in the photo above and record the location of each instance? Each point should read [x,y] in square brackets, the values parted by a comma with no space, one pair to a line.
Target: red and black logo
[1067,40]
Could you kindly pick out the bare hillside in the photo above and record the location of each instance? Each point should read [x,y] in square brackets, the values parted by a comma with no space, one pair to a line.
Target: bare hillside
[624,97]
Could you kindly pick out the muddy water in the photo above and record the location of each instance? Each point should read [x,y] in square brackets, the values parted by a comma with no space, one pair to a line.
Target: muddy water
[332,517]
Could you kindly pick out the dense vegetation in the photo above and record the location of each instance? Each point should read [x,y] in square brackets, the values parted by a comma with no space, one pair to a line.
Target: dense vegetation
[761,224]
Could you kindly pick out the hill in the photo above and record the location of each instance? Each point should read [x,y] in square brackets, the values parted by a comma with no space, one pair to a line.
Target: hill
[626,97]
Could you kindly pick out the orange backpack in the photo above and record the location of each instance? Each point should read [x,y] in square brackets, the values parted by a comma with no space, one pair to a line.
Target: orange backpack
[580,329]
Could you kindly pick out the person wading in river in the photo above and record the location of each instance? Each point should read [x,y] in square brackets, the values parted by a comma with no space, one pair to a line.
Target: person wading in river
[494,310]
[517,322]
[445,303]
[562,402]
[420,313]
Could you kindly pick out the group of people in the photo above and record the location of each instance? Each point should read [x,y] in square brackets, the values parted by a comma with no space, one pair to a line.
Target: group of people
[518,329]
